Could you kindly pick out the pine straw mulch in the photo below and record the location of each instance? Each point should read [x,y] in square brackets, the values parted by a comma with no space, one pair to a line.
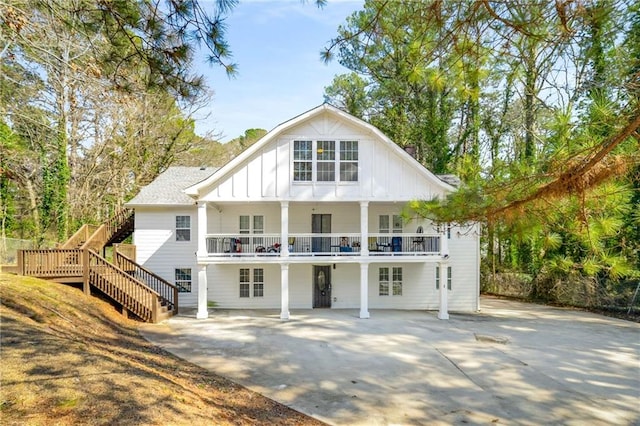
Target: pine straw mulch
[69,359]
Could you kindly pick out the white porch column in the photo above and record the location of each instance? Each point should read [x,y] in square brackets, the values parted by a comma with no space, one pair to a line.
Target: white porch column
[284,283]
[443,312]
[202,293]
[284,229]
[364,228]
[202,229]
[364,290]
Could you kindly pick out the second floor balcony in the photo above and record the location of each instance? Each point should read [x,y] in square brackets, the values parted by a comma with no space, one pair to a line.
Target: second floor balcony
[310,245]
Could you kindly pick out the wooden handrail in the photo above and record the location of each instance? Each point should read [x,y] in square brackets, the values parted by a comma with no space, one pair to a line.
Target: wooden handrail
[129,290]
[51,263]
[168,292]
[128,250]
[116,221]
[125,289]
[96,240]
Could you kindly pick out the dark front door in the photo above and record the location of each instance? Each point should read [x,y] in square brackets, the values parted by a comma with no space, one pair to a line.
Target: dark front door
[321,224]
[321,286]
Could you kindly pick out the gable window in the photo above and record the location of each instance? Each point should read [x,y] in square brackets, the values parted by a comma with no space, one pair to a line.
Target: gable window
[348,161]
[302,161]
[247,285]
[183,228]
[449,275]
[325,161]
[183,279]
[393,286]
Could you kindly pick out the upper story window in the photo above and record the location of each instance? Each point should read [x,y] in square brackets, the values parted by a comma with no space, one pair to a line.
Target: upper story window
[325,161]
[249,226]
[183,228]
[387,224]
[302,161]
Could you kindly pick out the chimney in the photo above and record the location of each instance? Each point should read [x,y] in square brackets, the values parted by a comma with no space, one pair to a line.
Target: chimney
[411,150]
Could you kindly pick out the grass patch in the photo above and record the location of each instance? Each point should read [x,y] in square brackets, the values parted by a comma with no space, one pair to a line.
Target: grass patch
[70,359]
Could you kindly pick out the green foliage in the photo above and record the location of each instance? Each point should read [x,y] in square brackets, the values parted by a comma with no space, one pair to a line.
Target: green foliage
[515,98]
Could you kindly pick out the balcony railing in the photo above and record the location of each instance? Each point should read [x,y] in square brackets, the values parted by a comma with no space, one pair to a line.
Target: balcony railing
[343,244]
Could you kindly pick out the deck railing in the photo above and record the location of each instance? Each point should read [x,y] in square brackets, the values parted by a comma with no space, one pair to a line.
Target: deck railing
[59,263]
[134,295]
[336,244]
[86,266]
[167,291]
[79,237]
[128,250]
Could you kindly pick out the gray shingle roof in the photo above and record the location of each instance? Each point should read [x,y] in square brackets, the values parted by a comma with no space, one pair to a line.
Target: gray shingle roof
[167,188]
[452,180]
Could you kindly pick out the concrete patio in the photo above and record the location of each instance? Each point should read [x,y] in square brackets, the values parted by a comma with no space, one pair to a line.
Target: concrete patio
[511,363]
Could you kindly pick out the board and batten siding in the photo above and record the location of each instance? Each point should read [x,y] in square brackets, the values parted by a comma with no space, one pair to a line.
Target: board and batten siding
[385,173]
[158,250]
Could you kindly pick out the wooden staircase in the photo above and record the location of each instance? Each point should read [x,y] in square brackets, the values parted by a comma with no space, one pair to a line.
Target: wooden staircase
[137,290]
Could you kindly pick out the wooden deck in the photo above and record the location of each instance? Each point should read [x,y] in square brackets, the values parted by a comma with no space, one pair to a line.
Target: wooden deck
[137,290]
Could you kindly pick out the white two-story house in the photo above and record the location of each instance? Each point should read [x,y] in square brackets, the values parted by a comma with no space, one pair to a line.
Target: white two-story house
[310,216]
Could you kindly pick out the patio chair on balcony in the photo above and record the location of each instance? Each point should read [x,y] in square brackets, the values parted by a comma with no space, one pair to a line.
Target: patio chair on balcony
[344,245]
[396,243]
[418,242]
[374,245]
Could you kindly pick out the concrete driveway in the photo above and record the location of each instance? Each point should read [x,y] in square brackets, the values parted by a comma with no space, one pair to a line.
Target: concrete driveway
[512,363]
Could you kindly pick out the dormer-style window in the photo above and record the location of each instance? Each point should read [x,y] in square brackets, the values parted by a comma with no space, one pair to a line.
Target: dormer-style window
[325,161]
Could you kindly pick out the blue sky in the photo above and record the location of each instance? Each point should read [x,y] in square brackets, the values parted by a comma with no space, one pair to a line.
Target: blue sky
[276,44]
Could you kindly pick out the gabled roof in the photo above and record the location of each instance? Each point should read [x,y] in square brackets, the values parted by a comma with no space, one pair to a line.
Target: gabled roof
[168,188]
[452,180]
[194,190]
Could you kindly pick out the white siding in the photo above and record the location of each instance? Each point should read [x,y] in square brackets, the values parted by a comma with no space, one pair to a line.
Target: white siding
[464,250]
[385,172]
[223,287]
[300,286]
[345,286]
[387,178]
[158,250]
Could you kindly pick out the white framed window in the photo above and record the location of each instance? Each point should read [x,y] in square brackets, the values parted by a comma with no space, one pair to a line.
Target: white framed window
[449,277]
[348,161]
[251,225]
[182,279]
[325,161]
[390,223]
[251,287]
[302,161]
[397,281]
[245,285]
[258,282]
[390,281]
[383,281]
[183,228]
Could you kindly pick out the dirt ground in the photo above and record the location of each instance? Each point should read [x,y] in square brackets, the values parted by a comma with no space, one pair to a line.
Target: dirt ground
[69,359]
